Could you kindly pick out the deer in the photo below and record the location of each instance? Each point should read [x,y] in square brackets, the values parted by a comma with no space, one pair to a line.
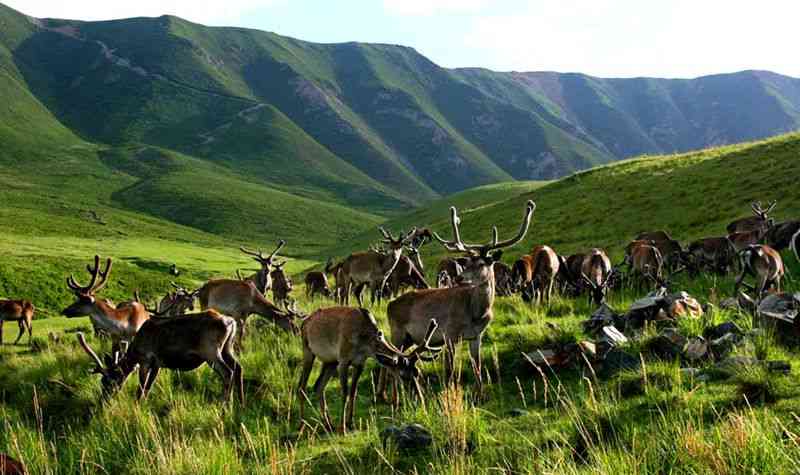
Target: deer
[744,239]
[181,343]
[463,313]
[405,274]
[176,303]
[317,283]
[20,311]
[646,262]
[764,264]
[263,279]
[543,274]
[795,245]
[716,254]
[448,270]
[239,299]
[569,271]
[670,249]
[342,337]
[596,272]
[120,322]
[281,283]
[779,236]
[522,272]
[372,268]
[503,282]
[750,223]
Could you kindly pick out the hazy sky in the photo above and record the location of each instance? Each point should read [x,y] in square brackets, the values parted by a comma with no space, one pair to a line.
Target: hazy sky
[610,38]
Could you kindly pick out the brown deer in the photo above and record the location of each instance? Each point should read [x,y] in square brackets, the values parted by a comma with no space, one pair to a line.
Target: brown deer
[750,223]
[522,273]
[20,311]
[569,273]
[646,263]
[372,268]
[342,337]
[779,236]
[263,278]
[448,270]
[503,283]
[670,249]
[543,274]
[182,343]
[596,273]
[765,265]
[281,283]
[744,239]
[317,283]
[120,322]
[176,303]
[240,299]
[463,312]
[405,274]
[716,254]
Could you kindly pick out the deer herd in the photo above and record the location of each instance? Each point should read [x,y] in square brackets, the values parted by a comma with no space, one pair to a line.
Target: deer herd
[423,321]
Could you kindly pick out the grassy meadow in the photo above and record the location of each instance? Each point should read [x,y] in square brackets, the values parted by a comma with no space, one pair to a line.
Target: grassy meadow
[658,419]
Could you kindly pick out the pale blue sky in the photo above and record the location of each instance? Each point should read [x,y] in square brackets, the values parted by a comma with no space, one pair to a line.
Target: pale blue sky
[611,38]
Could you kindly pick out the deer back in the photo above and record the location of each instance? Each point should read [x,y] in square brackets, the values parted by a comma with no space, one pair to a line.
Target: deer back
[545,263]
[596,266]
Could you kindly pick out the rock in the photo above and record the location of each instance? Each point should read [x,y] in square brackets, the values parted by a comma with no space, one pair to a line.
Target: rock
[696,349]
[613,336]
[712,333]
[542,357]
[690,373]
[783,367]
[517,412]
[733,363]
[729,303]
[669,344]
[683,305]
[589,349]
[407,438]
[603,316]
[723,345]
[617,360]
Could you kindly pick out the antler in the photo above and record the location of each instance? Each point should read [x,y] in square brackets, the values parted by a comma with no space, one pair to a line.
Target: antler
[98,363]
[281,243]
[417,353]
[457,245]
[258,255]
[95,272]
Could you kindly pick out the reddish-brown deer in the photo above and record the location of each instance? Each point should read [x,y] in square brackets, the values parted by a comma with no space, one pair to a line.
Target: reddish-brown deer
[765,265]
[182,343]
[596,273]
[463,313]
[120,322]
[20,311]
[342,337]
[177,303]
[545,267]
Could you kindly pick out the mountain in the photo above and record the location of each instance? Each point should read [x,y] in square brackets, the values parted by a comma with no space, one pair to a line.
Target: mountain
[262,123]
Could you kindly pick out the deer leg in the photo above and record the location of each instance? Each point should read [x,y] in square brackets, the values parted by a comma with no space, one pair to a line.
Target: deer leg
[738,283]
[344,367]
[21,331]
[29,324]
[328,370]
[225,373]
[150,380]
[238,376]
[144,375]
[449,360]
[357,369]
[308,364]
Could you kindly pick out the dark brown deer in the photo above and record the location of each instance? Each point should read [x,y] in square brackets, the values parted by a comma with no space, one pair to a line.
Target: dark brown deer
[177,303]
[120,322]
[569,273]
[765,265]
[522,273]
[182,343]
[20,311]
[281,283]
[503,282]
[240,299]
[670,249]
[405,274]
[779,236]
[596,273]
[744,239]
[372,268]
[449,269]
[543,275]
[263,278]
[715,254]
[751,223]
[342,337]
[317,284]
[464,312]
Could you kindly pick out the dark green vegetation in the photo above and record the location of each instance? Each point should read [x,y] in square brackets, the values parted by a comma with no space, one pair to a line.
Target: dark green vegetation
[655,420]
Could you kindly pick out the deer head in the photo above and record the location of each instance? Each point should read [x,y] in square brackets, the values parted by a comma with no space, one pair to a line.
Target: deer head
[394,247]
[86,294]
[761,212]
[478,268]
[112,373]
[598,291]
[265,261]
[405,365]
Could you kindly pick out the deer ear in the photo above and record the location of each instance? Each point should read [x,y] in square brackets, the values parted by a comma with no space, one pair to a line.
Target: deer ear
[387,361]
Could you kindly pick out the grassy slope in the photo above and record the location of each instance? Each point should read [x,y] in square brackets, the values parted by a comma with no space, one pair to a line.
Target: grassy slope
[664,422]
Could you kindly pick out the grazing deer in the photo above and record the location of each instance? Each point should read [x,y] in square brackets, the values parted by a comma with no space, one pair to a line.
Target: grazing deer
[176,303]
[120,322]
[372,268]
[342,337]
[760,220]
[646,263]
[596,274]
[522,273]
[765,265]
[448,270]
[543,274]
[569,271]
[503,283]
[240,299]
[281,283]
[670,249]
[405,274]
[20,311]
[182,343]
[463,312]
[317,283]
[263,278]
[716,254]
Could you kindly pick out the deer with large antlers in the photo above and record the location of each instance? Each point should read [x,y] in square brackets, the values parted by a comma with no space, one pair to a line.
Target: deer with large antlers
[121,322]
[372,268]
[281,283]
[20,311]
[263,278]
[183,343]
[240,299]
[342,337]
[760,219]
[463,312]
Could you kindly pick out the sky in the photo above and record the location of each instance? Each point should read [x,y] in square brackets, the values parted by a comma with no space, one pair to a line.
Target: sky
[606,38]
